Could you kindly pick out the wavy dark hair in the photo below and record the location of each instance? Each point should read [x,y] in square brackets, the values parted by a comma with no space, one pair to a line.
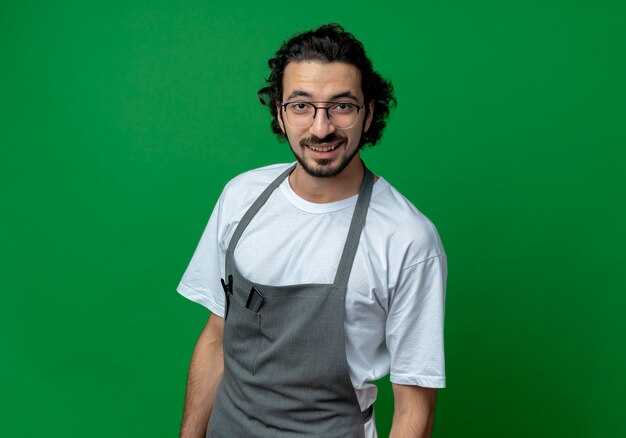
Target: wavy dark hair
[330,43]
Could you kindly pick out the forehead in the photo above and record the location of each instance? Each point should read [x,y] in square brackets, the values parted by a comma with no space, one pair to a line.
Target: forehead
[321,81]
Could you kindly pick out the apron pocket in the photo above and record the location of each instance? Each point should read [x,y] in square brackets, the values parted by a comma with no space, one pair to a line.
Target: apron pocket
[242,335]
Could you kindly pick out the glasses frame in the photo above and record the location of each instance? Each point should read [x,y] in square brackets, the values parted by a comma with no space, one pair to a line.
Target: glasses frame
[283,107]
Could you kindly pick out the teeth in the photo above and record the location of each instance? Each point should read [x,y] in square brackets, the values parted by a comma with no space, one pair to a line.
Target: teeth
[326,149]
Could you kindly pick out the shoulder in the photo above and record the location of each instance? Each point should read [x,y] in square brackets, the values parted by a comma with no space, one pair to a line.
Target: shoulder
[403,227]
[246,187]
[260,176]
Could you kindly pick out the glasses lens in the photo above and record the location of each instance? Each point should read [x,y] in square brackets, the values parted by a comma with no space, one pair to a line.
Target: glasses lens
[301,114]
[343,115]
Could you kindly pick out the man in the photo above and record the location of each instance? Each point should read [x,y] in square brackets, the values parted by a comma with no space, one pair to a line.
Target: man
[330,279]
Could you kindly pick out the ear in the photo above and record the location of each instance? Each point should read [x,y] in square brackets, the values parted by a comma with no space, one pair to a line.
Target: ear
[279,117]
[370,116]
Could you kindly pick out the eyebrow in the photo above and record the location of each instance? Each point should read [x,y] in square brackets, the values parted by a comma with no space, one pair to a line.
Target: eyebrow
[345,94]
[299,93]
[302,93]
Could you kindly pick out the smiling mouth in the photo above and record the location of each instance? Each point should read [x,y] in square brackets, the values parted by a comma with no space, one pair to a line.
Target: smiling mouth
[324,148]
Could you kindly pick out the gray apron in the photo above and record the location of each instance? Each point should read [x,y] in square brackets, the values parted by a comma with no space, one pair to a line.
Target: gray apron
[285,368]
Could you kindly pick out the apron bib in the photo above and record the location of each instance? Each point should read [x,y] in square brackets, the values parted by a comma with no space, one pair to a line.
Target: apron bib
[285,368]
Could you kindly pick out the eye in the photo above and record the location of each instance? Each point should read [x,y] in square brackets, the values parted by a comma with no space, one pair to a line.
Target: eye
[299,107]
[342,107]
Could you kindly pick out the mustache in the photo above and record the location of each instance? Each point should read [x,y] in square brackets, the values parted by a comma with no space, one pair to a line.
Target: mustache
[314,140]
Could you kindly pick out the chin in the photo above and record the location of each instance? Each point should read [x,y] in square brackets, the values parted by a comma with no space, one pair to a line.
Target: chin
[323,168]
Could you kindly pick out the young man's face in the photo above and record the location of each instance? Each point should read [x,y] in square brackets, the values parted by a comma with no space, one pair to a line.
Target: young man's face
[321,148]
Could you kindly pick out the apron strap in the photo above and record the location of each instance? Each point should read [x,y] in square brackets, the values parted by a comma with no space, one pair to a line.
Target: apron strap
[354,233]
[252,211]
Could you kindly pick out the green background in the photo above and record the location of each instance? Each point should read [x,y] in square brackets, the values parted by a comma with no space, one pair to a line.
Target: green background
[122,121]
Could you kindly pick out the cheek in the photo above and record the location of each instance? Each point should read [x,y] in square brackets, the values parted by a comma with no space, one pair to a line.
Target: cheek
[295,133]
[354,136]
[292,137]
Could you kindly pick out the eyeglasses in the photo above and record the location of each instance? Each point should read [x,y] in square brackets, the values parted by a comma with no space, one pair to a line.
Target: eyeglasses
[341,114]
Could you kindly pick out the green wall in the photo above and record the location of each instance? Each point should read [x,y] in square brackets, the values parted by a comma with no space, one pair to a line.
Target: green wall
[122,121]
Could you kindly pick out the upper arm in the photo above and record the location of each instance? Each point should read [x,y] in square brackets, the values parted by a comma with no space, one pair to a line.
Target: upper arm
[414,398]
[213,331]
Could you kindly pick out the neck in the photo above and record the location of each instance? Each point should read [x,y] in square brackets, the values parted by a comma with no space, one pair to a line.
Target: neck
[331,189]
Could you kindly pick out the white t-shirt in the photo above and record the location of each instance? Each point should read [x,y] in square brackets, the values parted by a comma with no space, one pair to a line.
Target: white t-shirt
[395,298]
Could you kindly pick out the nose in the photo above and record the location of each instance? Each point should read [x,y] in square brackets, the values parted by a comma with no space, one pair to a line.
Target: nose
[321,126]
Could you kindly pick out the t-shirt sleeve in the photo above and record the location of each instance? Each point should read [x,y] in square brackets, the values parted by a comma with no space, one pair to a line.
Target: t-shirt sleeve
[414,330]
[201,280]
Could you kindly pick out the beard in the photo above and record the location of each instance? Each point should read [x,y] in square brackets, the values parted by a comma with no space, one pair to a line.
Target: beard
[321,167]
